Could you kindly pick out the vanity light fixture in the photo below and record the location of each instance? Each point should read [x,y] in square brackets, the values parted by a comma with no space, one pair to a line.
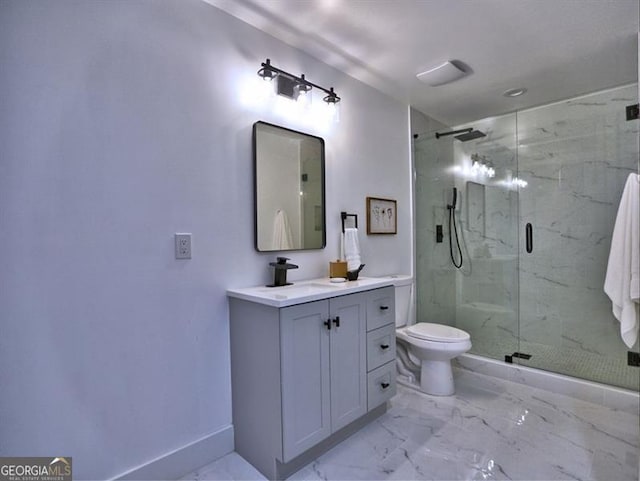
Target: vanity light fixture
[303,87]
[267,72]
[331,97]
[293,86]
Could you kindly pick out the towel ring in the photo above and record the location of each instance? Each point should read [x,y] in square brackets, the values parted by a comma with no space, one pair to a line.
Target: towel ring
[344,216]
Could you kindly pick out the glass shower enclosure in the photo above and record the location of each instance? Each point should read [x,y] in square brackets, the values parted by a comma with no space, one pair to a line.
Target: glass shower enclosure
[537,198]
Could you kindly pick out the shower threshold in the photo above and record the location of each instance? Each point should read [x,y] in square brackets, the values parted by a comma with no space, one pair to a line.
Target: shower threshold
[604,394]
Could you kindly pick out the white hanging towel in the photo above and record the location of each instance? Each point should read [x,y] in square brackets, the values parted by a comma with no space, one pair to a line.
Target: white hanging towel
[282,237]
[351,248]
[622,282]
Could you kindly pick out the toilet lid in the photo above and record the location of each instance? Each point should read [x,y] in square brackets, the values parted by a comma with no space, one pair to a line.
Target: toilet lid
[437,332]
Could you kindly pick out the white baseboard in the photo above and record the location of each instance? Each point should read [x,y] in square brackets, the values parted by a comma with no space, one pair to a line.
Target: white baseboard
[181,461]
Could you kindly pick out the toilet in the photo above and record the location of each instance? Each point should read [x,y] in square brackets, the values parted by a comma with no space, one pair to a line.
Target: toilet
[431,347]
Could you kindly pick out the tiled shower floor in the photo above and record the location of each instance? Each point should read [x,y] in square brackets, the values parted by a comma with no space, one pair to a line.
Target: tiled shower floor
[490,429]
[565,360]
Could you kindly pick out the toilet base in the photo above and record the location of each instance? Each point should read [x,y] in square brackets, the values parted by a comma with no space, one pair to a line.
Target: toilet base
[436,378]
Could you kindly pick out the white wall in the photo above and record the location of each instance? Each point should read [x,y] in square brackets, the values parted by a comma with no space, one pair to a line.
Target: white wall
[122,123]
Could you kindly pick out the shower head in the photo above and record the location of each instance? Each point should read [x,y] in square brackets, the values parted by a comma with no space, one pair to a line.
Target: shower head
[474,134]
[465,134]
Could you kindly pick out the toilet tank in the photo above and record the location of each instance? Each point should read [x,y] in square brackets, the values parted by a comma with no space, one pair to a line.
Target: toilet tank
[404,299]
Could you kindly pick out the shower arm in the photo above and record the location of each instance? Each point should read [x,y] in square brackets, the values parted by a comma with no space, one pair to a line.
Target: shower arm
[453,132]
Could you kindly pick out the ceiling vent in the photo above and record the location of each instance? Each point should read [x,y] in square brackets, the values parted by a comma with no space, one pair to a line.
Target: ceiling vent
[442,74]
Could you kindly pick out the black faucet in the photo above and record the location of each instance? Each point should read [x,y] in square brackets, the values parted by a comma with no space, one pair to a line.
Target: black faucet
[280,272]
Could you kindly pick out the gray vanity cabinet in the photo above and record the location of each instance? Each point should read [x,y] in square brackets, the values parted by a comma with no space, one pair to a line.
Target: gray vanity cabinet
[323,347]
[301,378]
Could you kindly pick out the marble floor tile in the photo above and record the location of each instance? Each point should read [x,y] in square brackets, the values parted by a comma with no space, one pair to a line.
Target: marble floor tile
[490,429]
[229,467]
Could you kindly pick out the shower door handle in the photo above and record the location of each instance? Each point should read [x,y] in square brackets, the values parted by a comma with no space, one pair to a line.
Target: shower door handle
[529,237]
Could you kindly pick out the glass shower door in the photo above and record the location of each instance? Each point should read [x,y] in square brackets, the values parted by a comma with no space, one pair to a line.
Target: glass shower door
[574,158]
[487,282]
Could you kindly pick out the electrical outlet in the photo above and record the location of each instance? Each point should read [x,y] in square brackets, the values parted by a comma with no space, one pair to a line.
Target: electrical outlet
[183,246]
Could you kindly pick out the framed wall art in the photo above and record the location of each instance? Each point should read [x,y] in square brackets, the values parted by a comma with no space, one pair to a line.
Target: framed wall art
[382,216]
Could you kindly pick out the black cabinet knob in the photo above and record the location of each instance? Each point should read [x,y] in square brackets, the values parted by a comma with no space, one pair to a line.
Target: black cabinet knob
[336,321]
[384,308]
[327,323]
[384,385]
[384,346]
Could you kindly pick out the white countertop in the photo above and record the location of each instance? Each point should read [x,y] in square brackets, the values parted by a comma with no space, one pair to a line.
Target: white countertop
[307,291]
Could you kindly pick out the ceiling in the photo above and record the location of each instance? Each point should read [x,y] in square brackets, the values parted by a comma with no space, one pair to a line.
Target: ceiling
[556,49]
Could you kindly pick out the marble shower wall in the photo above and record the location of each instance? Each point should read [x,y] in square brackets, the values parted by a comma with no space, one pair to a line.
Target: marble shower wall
[576,156]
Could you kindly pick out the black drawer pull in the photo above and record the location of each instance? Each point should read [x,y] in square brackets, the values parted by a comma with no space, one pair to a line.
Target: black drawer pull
[327,323]
[336,321]
[384,385]
[384,346]
[384,308]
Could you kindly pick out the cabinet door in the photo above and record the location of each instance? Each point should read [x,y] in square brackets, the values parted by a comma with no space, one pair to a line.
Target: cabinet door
[304,343]
[348,359]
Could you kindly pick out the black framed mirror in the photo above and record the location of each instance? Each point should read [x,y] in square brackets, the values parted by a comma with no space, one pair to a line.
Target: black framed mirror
[289,189]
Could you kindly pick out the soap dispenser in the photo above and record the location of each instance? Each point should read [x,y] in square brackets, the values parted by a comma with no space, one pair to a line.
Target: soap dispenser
[281,266]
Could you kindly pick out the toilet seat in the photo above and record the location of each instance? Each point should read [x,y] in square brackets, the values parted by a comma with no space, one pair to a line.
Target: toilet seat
[436,332]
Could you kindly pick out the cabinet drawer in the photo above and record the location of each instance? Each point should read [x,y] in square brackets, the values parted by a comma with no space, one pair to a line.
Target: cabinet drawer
[381,385]
[381,346]
[381,308]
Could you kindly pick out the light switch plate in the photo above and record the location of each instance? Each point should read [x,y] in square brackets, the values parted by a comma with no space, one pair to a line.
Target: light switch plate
[183,246]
